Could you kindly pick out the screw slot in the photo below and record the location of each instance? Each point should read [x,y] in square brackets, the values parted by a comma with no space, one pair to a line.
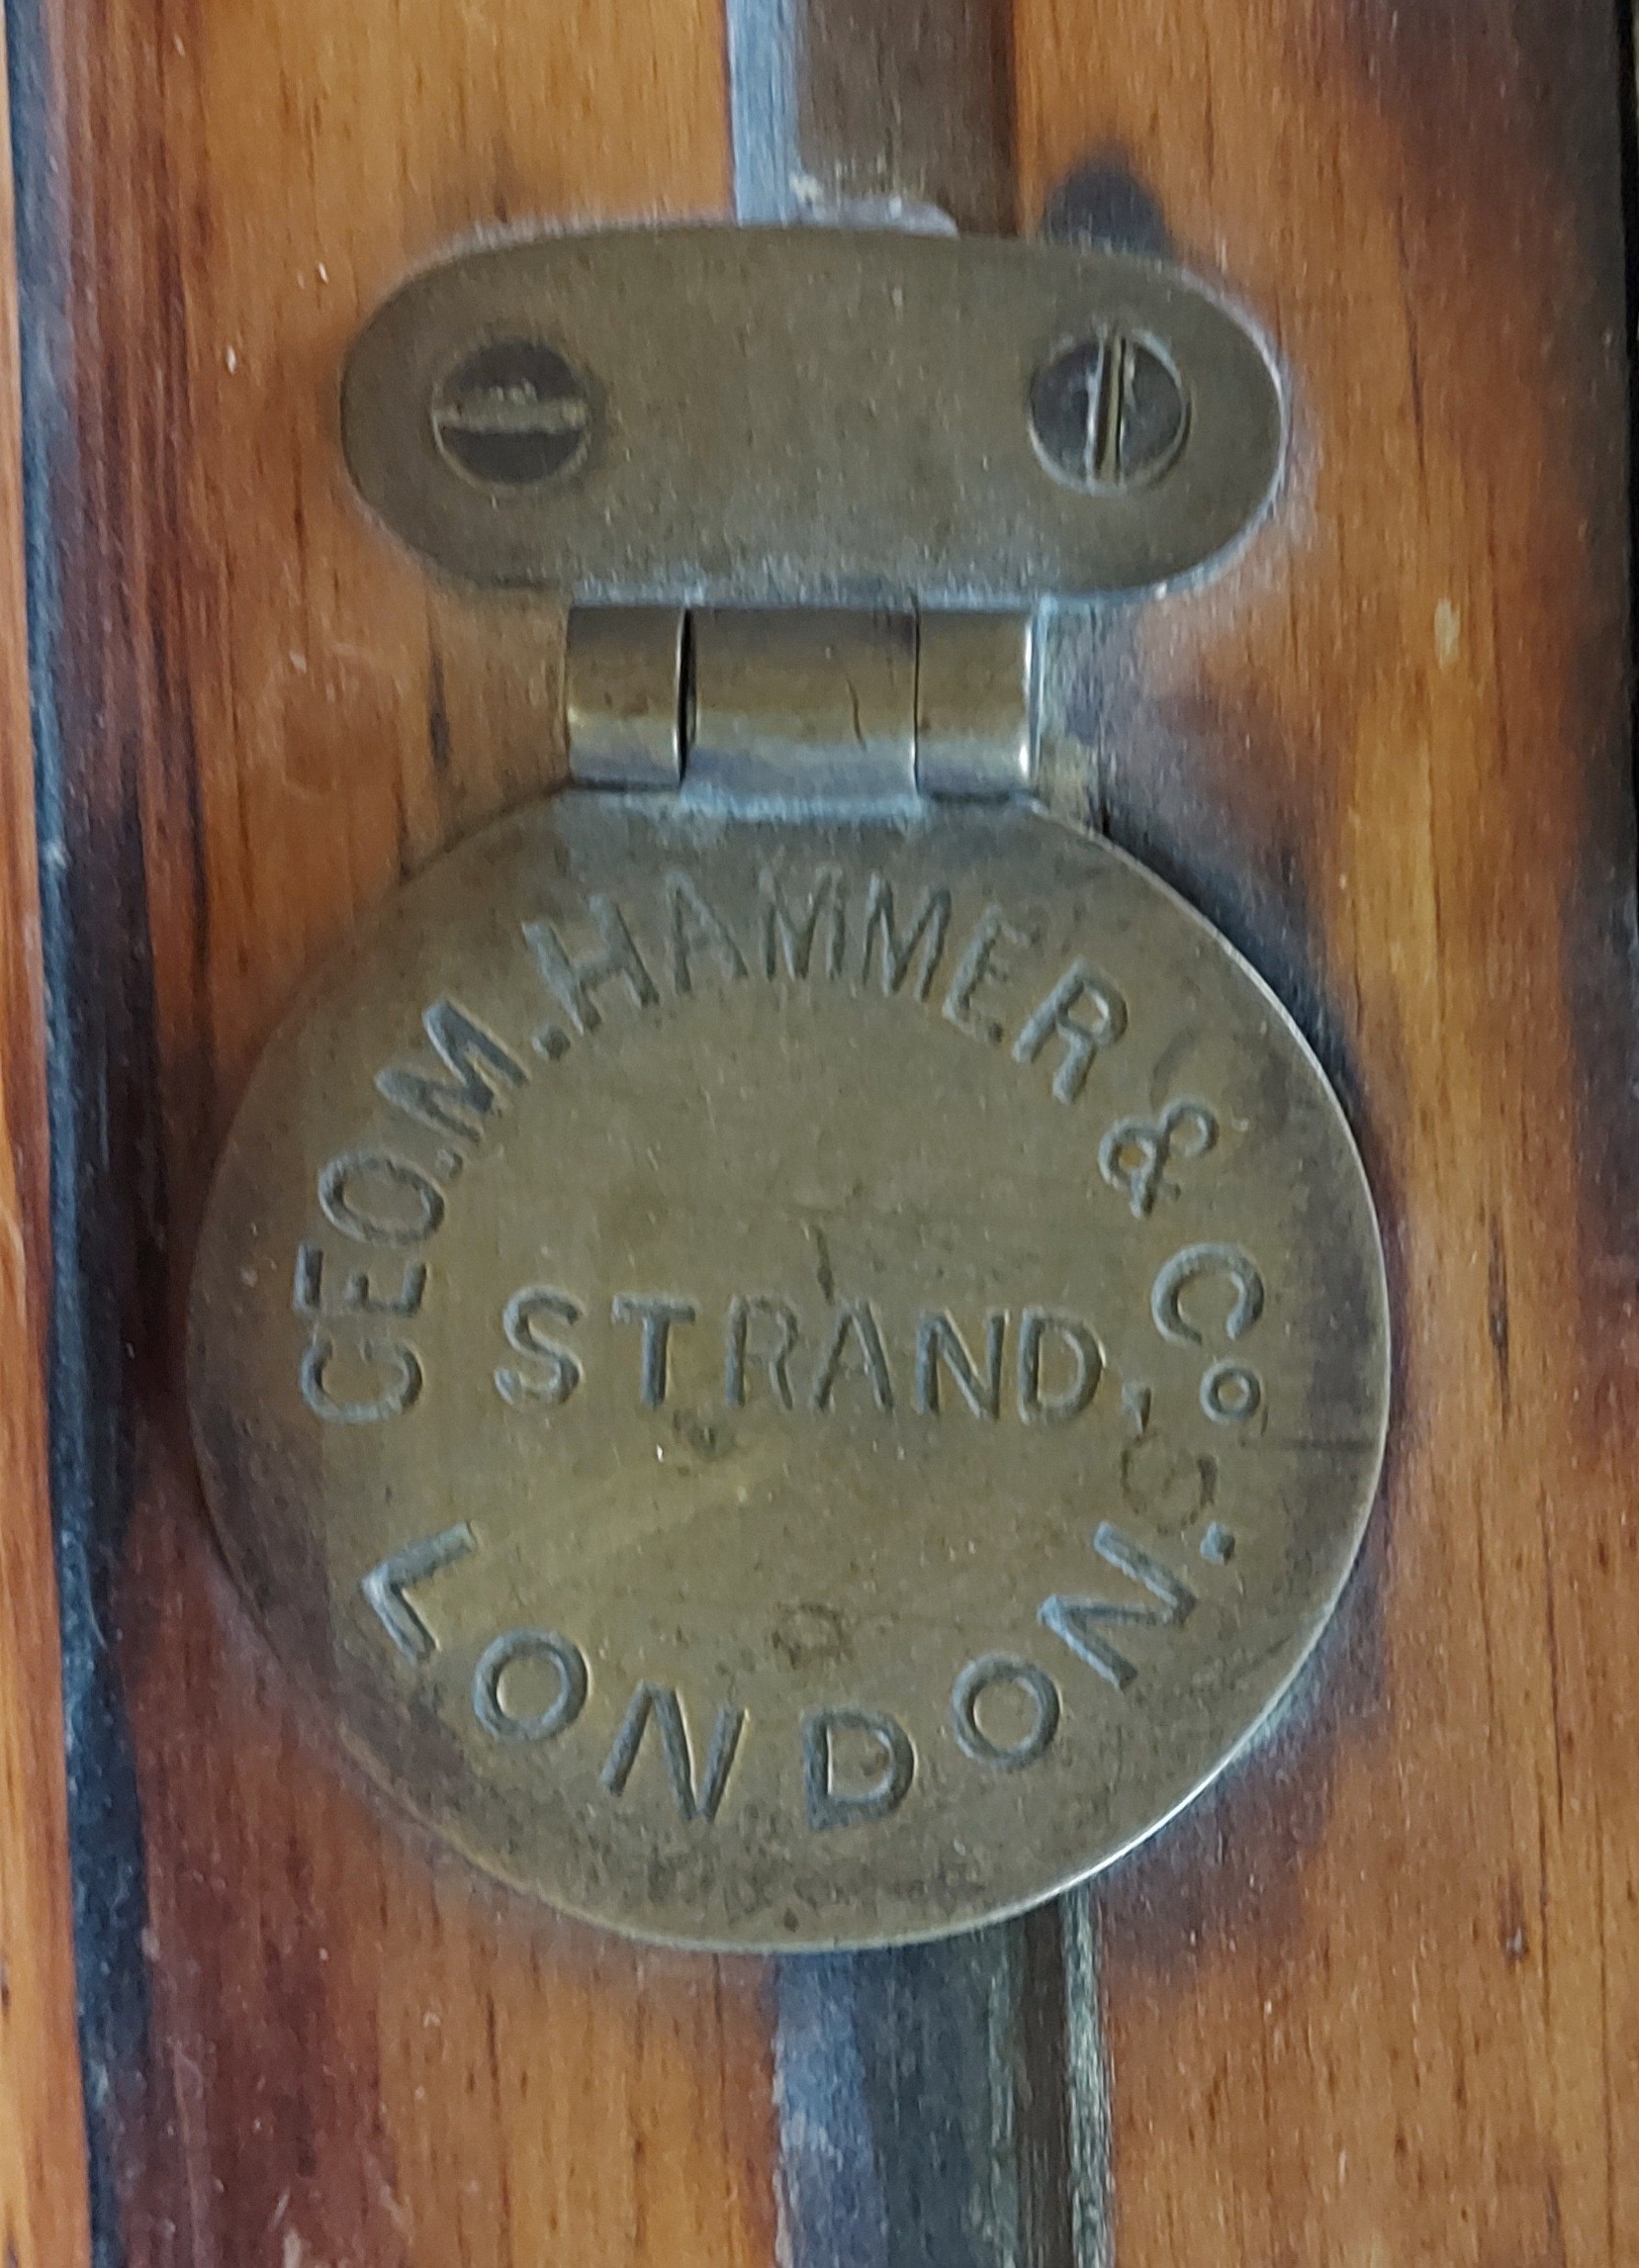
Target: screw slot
[513,414]
[1109,413]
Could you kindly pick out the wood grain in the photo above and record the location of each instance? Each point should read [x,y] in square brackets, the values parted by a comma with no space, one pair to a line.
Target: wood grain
[941,2105]
[1376,2002]
[42,2171]
[845,107]
[337,2047]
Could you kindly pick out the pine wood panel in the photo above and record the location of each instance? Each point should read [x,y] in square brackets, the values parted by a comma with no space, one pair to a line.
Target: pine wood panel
[1379,2000]
[43,2172]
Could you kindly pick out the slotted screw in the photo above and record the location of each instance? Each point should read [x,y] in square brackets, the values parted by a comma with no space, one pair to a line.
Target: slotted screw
[513,414]
[1108,412]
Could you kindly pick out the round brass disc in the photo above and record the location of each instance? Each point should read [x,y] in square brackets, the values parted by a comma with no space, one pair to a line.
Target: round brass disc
[790,1385]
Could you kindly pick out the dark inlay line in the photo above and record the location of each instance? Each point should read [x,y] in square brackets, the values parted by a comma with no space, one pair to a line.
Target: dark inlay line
[922,2109]
[1627,102]
[1087,2087]
[899,112]
[99,1064]
[939,2106]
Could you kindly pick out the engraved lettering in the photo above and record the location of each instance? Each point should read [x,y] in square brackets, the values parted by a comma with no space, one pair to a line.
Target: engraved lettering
[1075,1622]
[938,1341]
[656,1315]
[1121,1552]
[795,938]
[1135,1401]
[576,981]
[831,1805]
[1135,1155]
[742,1312]
[378,1199]
[1165,1484]
[1231,1392]
[357,1297]
[551,1372]
[1190,1266]
[1038,1690]
[1037,1407]
[696,926]
[978,966]
[927,935]
[392,1400]
[517,1647]
[480,1067]
[387,1587]
[1082,1040]
[660,1703]
[1078,1621]
[856,1323]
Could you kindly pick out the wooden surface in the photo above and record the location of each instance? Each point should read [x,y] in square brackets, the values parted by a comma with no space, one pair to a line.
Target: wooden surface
[43,2171]
[1379,2001]
[1376,2002]
[883,114]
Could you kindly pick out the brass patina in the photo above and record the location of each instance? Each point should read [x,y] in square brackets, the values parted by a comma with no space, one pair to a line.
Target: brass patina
[790,1384]
[813,417]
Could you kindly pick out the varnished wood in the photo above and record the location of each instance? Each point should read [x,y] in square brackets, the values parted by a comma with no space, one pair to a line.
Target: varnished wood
[845,106]
[44,2218]
[341,2049]
[1376,2002]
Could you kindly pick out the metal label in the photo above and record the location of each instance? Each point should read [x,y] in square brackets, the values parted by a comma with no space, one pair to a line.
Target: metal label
[790,1385]
[749,416]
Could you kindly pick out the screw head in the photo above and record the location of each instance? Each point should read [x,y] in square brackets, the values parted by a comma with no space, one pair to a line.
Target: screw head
[1109,413]
[513,414]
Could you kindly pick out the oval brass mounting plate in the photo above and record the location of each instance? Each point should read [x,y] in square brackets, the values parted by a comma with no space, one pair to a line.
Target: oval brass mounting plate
[769,416]
[790,1387]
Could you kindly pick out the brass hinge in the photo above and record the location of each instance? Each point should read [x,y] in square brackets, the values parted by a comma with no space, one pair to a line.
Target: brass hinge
[805,488]
[801,705]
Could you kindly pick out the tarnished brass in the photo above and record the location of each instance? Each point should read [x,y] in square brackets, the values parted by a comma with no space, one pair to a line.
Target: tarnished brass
[975,704]
[789,1385]
[752,417]
[797,703]
[625,685]
[803,701]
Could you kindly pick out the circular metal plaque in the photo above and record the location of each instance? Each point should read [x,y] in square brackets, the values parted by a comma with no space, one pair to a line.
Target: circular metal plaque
[790,1385]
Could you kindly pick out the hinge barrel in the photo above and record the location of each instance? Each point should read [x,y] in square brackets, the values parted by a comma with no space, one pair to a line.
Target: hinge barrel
[803,704]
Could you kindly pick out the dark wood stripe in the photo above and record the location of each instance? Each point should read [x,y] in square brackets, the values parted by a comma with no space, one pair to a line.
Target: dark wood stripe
[43,2158]
[1365,1992]
[101,1094]
[921,2110]
[1375,1990]
[848,106]
[247,1926]
[946,2104]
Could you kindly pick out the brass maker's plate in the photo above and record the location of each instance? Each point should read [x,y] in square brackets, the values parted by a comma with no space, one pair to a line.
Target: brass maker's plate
[790,1385]
[801,415]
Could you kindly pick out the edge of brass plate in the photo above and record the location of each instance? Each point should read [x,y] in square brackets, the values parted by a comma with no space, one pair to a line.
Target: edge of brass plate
[807,416]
